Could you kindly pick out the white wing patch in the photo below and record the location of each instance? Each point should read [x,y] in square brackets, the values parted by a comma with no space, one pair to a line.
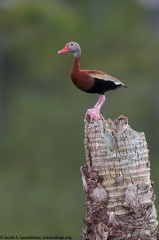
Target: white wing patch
[105,77]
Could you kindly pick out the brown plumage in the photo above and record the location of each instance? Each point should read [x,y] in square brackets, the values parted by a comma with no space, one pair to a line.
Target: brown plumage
[90,81]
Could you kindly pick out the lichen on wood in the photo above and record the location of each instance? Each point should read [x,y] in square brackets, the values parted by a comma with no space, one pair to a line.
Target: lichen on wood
[116,180]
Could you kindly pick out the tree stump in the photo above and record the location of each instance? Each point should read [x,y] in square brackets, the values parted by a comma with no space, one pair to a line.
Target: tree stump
[116,180]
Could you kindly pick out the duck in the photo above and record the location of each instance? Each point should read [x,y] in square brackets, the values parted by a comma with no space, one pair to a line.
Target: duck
[90,81]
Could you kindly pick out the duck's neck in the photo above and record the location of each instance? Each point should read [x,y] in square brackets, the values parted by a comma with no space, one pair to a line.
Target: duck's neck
[76,64]
[77,53]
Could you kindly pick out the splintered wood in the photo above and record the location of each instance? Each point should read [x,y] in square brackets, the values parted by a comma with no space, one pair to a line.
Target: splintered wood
[116,180]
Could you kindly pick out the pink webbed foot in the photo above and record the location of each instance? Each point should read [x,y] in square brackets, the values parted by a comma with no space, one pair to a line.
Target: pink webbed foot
[93,113]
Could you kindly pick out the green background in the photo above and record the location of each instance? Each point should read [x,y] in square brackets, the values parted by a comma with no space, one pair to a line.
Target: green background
[42,113]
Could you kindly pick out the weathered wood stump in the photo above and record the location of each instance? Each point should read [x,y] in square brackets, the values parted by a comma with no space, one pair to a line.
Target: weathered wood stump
[116,180]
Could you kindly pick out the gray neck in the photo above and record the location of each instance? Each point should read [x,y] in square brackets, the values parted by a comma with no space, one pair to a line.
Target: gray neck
[77,53]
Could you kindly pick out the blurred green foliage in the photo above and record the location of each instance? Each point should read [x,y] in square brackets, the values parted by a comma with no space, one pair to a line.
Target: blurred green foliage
[42,112]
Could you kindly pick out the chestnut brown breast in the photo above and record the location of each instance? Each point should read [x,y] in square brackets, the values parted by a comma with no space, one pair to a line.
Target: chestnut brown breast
[81,78]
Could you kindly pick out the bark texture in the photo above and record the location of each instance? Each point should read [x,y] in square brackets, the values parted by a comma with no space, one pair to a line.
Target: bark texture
[116,180]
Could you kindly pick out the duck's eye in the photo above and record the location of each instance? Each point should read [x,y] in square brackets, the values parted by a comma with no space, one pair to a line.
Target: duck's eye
[71,44]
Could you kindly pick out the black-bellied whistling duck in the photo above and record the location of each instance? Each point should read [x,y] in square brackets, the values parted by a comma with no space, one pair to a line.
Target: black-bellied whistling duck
[90,81]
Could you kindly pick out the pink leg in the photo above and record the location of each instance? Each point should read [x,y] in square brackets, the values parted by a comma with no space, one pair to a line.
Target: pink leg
[94,112]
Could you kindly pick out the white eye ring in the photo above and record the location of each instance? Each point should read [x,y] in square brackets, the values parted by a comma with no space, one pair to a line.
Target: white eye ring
[72,44]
